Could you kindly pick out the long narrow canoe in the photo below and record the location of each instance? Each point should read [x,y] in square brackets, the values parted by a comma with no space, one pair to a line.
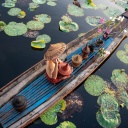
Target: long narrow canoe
[40,93]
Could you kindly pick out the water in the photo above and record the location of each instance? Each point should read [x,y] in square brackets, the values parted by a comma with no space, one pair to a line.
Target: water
[16,56]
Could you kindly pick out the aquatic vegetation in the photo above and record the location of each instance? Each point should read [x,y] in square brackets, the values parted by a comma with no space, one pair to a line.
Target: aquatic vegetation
[44,37]
[38,44]
[119,78]
[39,1]
[9,3]
[14,11]
[35,25]
[74,103]
[123,55]
[89,4]
[2,25]
[109,102]
[43,18]
[66,25]
[109,120]
[22,14]
[33,6]
[121,4]
[66,124]
[95,85]
[112,12]
[75,11]
[50,116]
[15,29]
[101,6]
[31,34]
[23,2]
[81,34]
[93,20]
[50,3]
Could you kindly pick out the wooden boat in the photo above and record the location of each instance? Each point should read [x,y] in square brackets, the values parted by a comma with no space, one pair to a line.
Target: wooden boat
[40,93]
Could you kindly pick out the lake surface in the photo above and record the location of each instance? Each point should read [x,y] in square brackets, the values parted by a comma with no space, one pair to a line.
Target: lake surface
[17,55]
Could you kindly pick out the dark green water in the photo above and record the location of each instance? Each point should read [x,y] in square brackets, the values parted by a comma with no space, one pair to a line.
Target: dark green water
[16,56]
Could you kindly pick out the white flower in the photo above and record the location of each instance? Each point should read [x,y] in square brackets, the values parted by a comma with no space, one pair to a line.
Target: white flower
[125,30]
[107,52]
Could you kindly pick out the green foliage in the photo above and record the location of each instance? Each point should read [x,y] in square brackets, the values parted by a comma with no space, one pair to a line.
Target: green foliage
[33,6]
[14,11]
[50,116]
[15,29]
[44,18]
[68,27]
[44,37]
[38,44]
[106,101]
[75,11]
[39,1]
[121,4]
[35,25]
[93,20]
[112,12]
[66,124]
[2,25]
[95,85]
[119,78]
[9,3]
[51,3]
[110,119]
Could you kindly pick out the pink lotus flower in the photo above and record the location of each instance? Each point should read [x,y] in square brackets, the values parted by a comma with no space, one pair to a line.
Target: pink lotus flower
[102,20]
[107,31]
[99,30]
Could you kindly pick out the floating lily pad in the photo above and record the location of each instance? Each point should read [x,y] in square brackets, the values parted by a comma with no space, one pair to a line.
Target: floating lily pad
[35,25]
[43,18]
[51,3]
[22,14]
[126,47]
[112,12]
[33,6]
[101,6]
[88,6]
[93,20]
[72,26]
[31,34]
[38,44]
[81,34]
[9,3]
[122,4]
[15,29]
[50,116]
[39,1]
[106,101]
[66,124]
[75,11]
[119,78]
[95,85]
[111,119]
[14,11]
[44,37]
[2,25]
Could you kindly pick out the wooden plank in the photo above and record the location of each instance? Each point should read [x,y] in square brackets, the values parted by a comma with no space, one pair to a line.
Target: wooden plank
[68,88]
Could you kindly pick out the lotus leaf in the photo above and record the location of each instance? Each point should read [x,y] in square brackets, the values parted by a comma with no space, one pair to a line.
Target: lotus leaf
[66,18]
[33,6]
[75,11]
[101,6]
[44,37]
[50,117]
[15,29]
[122,4]
[39,1]
[38,44]
[109,120]
[85,5]
[122,96]
[2,25]
[95,85]
[119,78]
[43,18]
[66,124]
[72,26]
[81,34]
[106,101]
[9,3]
[22,14]
[51,3]
[14,11]
[112,12]
[93,20]
[35,25]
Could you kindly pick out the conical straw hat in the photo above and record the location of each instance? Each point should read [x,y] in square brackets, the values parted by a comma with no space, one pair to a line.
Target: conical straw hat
[54,51]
